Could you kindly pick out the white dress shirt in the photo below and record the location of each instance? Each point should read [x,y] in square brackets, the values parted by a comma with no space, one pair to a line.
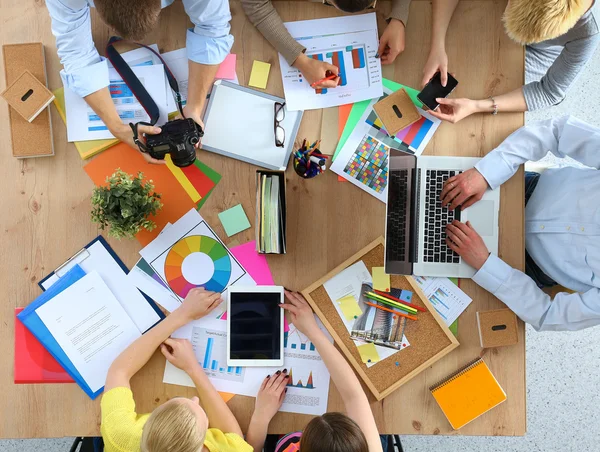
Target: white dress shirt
[562,225]
[85,71]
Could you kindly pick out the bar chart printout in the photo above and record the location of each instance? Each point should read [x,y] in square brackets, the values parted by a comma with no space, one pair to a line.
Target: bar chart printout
[210,347]
[445,296]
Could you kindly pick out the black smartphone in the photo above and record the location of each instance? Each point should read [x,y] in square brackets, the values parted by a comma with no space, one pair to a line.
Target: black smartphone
[434,89]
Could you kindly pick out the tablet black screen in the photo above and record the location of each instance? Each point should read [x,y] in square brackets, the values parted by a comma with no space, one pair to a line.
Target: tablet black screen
[255,326]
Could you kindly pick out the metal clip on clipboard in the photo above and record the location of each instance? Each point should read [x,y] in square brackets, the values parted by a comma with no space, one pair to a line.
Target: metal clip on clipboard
[77,258]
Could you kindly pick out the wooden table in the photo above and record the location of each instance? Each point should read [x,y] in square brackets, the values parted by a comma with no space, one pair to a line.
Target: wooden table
[46,218]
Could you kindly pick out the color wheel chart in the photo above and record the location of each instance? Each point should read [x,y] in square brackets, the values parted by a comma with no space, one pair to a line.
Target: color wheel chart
[368,164]
[409,140]
[351,59]
[309,381]
[210,348]
[199,251]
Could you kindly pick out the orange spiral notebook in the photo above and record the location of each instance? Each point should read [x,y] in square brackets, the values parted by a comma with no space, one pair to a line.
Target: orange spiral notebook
[468,393]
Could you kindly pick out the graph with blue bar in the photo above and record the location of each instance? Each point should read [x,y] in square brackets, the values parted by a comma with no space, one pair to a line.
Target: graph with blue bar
[294,340]
[210,347]
[351,62]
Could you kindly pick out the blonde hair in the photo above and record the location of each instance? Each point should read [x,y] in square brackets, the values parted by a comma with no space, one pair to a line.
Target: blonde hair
[172,427]
[533,21]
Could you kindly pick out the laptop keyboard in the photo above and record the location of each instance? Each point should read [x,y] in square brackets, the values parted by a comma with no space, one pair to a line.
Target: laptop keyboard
[436,219]
[396,220]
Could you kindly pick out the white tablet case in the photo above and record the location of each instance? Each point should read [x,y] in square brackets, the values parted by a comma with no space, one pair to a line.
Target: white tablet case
[239,123]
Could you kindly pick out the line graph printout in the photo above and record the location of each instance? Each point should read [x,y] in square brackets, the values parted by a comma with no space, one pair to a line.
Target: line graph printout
[349,43]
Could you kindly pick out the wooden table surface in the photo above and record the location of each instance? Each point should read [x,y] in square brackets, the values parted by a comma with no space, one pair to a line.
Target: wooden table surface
[46,218]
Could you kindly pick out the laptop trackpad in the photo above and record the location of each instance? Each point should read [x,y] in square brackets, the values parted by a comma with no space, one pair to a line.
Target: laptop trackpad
[481,216]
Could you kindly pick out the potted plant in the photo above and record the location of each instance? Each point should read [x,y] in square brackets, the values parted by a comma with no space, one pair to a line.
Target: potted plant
[125,204]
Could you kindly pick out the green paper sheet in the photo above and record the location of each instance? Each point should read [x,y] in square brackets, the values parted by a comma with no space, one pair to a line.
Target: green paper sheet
[212,175]
[359,108]
[454,326]
[234,220]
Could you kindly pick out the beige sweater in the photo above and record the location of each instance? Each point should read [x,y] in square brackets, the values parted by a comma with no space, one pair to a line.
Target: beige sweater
[264,16]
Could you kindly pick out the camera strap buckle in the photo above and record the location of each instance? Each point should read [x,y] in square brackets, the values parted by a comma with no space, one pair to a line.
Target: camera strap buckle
[136,138]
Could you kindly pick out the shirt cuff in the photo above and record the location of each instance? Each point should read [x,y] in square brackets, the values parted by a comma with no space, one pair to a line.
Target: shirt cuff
[207,50]
[400,10]
[494,169]
[86,80]
[492,274]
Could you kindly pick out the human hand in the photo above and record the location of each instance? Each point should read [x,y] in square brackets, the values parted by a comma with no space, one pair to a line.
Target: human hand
[124,133]
[180,353]
[301,314]
[453,110]
[467,243]
[464,189]
[315,70]
[198,303]
[437,61]
[194,113]
[391,43]
[270,396]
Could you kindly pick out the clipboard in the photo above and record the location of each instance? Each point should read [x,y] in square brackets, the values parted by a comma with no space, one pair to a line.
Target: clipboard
[239,123]
[143,310]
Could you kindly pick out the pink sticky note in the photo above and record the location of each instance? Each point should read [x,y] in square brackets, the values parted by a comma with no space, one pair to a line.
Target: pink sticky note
[227,68]
[254,263]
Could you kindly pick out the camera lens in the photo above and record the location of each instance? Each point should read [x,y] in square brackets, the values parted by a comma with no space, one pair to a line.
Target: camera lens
[194,140]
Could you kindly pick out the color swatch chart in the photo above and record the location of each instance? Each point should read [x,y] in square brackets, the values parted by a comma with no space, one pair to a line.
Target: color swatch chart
[354,55]
[408,139]
[307,385]
[197,261]
[368,164]
[210,348]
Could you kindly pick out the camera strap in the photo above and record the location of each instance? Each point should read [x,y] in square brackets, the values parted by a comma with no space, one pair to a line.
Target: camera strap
[136,87]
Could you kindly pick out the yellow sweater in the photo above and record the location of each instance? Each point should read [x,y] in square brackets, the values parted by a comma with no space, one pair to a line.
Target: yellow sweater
[122,427]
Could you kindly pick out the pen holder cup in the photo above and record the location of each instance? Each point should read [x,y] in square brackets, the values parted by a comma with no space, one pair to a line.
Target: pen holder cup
[304,172]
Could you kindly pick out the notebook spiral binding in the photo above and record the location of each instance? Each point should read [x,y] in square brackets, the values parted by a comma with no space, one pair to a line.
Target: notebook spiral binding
[455,375]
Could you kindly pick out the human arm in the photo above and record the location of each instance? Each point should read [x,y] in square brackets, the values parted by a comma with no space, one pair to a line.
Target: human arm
[392,41]
[180,353]
[354,398]
[441,13]
[566,311]
[197,304]
[553,86]
[200,79]
[268,401]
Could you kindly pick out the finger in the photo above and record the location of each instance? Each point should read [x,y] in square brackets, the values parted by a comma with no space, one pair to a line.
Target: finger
[440,115]
[154,161]
[444,75]
[457,231]
[445,101]
[453,246]
[391,56]
[290,307]
[466,230]
[453,193]
[292,297]
[448,185]
[214,305]
[382,47]
[282,381]
[273,381]
[458,200]
[333,69]
[426,77]
[328,83]
[264,383]
[150,130]
[170,342]
[450,233]
[282,396]
[166,353]
[469,202]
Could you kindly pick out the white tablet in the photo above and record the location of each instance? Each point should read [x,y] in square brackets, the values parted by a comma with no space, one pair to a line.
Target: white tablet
[254,326]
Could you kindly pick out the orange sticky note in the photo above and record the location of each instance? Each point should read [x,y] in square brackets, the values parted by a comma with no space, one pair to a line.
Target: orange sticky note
[226,396]
[174,198]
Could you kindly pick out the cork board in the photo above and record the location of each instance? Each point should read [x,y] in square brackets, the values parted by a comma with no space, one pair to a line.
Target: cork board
[430,339]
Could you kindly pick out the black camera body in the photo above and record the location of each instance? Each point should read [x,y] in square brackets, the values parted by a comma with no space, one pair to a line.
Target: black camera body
[178,138]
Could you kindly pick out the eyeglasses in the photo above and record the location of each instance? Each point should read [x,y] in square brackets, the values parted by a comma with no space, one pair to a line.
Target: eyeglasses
[279,117]
[373,5]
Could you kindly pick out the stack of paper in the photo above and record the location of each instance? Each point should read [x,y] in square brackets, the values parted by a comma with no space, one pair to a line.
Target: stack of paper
[270,213]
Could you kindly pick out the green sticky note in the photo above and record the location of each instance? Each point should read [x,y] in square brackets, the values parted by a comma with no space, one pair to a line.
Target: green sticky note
[368,353]
[359,108]
[349,307]
[234,220]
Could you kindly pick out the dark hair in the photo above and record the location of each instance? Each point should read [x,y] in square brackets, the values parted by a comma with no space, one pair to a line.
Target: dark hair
[131,19]
[333,432]
[352,6]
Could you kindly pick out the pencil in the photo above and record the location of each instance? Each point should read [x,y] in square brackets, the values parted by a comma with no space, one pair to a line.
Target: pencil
[399,314]
[385,295]
[391,302]
[329,77]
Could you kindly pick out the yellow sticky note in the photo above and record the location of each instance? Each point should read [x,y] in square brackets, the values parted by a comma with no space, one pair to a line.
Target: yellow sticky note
[368,353]
[381,280]
[349,307]
[259,74]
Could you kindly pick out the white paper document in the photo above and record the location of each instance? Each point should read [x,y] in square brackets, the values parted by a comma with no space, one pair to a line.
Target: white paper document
[308,389]
[90,326]
[97,258]
[445,296]
[84,124]
[348,42]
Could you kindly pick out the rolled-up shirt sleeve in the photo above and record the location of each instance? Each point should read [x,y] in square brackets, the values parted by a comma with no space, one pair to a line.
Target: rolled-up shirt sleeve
[84,70]
[209,42]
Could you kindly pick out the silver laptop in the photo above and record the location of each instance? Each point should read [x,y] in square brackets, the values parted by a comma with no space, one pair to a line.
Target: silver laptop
[415,233]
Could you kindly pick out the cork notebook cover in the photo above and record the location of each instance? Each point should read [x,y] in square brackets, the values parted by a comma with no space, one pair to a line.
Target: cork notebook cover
[396,111]
[29,139]
[28,96]
[497,328]
[429,337]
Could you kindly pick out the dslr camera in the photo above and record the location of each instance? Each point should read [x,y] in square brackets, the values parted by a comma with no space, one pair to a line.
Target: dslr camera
[178,138]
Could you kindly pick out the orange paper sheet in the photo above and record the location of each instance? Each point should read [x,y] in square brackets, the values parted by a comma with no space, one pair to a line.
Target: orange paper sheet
[176,201]
[226,396]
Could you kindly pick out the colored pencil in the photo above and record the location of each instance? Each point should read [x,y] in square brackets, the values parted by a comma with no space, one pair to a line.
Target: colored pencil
[399,314]
[385,295]
[392,302]
[329,77]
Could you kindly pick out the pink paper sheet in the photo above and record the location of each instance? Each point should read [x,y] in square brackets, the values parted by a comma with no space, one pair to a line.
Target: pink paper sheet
[227,68]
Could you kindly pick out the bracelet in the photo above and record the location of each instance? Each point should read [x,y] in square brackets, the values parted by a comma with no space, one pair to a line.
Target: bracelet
[494,106]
